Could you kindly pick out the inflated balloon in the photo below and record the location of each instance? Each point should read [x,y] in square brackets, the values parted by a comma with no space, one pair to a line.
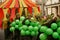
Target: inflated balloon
[23,32]
[49,31]
[59,37]
[54,26]
[35,28]
[58,24]
[16,26]
[22,18]
[58,30]
[25,27]
[36,23]
[43,36]
[27,22]
[32,33]
[12,29]
[43,29]
[13,24]
[20,24]
[20,28]
[17,21]
[36,33]
[55,35]
[30,28]
[27,32]
[32,24]
[39,26]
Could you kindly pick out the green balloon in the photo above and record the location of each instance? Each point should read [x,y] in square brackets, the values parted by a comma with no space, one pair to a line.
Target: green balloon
[36,23]
[20,28]
[27,22]
[59,37]
[49,31]
[35,28]
[27,32]
[23,32]
[32,33]
[39,26]
[20,24]
[25,27]
[17,22]
[22,18]
[55,35]
[58,24]
[12,29]
[43,29]
[58,30]
[13,24]
[30,28]
[16,26]
[43,39]
[43,36]
[36,33]
[54,26]
[32,24]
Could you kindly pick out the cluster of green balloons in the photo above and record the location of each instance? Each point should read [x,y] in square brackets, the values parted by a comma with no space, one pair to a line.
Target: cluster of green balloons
[54,31]
[16,24]
[31,28]
[28,28]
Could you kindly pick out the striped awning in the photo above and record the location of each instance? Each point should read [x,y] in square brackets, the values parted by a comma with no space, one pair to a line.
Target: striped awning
[18,3]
